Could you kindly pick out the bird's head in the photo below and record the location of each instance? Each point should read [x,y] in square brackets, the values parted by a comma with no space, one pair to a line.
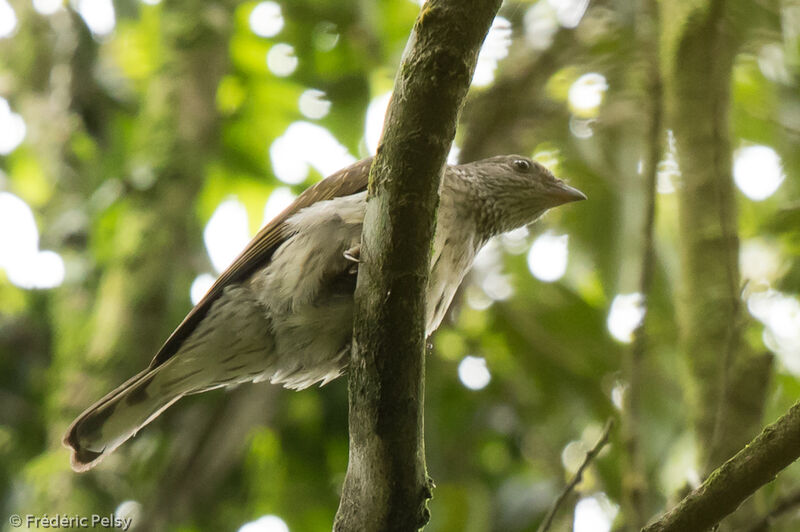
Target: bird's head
[513,191]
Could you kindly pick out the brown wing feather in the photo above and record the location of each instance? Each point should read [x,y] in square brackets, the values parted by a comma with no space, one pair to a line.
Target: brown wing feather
[258,252]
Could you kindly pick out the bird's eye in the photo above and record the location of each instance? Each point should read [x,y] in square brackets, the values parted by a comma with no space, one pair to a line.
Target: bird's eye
[522,165]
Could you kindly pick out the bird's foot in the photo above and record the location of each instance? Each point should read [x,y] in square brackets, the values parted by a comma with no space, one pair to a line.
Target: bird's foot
[353,254]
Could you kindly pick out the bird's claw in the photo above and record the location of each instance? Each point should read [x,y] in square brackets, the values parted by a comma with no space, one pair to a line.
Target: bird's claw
[353,254]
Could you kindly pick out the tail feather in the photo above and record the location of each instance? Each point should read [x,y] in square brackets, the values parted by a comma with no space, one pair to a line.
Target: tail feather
[230,345]
[119,415]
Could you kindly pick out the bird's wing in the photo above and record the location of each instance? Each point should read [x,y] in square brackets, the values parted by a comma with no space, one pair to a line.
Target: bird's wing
[258,252]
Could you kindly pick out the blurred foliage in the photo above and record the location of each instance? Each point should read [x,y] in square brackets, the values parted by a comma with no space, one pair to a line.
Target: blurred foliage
[133,138]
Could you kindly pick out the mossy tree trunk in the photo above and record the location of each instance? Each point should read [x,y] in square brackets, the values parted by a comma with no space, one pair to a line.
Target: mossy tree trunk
[386,487]
[728,378]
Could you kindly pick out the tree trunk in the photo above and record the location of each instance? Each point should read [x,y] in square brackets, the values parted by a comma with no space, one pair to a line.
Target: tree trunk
[727,378]
[386,486]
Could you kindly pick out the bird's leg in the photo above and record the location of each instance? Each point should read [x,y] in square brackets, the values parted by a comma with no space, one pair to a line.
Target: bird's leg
[353,255]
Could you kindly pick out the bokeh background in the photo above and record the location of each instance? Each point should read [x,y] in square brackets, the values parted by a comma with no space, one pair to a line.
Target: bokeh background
[142,143]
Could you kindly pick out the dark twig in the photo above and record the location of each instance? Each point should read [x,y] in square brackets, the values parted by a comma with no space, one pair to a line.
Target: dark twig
[784,504]
[590,456]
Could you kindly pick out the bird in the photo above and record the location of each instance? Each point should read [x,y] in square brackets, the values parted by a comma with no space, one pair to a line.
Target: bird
[283,310]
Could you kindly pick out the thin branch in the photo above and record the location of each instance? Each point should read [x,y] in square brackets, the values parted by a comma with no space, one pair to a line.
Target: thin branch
[513,99]
[725,489]
[590,456]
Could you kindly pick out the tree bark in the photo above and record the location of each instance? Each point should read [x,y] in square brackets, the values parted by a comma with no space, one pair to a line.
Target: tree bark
[386,486]
[725,489]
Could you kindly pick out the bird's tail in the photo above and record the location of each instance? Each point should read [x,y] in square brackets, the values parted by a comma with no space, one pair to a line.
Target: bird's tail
[119,415]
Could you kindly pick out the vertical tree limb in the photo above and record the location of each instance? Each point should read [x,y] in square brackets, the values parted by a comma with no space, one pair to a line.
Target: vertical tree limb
[386,486]
[727,379]
[634,497]
[174,134]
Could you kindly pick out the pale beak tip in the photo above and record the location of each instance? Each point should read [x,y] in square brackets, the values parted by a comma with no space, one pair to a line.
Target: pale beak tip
[567,194]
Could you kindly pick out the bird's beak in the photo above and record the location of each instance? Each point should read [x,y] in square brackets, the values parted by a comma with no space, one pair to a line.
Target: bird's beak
[561,193]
